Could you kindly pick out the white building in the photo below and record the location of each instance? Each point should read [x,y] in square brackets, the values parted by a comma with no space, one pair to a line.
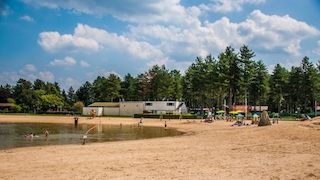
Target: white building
[88,111]
[129,108]
[163,107]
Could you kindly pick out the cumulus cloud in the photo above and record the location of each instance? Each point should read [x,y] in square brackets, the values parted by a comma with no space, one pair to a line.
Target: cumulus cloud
[67,83]
[28,72]
[288,64]
[46,76]
[269,32]
[27,18]
[229,5]
[317,50]
[101,72]
[84,64]
[28,68]
[9,78]
[171,64]
[67,61]
[127,10]
[53,42]
[88,38]
[264,32]
[180,35]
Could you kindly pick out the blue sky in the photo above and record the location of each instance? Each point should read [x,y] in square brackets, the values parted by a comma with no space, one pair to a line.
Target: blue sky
[73,41]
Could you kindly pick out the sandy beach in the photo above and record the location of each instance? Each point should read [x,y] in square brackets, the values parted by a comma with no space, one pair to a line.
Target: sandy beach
[288,150]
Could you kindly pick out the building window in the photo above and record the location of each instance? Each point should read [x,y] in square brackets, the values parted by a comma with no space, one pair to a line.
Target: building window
[170,104]
[148,104]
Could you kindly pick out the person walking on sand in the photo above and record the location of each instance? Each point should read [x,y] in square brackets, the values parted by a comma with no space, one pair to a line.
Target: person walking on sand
[46,133]
[165,125]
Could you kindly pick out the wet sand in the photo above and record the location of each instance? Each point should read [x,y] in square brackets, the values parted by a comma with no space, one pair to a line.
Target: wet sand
[288,150]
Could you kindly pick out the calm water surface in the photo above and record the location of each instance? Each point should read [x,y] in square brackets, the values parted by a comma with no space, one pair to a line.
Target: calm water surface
[13,135]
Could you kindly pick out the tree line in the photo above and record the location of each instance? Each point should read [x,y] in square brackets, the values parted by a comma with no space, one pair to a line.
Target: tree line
[232,78]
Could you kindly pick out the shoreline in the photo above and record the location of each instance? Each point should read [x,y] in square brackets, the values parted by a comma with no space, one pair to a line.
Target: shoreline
[288,150]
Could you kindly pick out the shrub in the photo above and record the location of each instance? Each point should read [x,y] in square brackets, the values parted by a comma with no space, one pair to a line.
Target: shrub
[15,108]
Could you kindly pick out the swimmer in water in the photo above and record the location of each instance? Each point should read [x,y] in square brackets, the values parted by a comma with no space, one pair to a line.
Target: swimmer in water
[47,133]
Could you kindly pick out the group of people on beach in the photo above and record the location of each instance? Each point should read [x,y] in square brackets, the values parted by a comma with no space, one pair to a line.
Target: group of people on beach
[31,135]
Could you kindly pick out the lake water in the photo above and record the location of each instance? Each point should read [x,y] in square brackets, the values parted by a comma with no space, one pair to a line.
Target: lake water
[13,135]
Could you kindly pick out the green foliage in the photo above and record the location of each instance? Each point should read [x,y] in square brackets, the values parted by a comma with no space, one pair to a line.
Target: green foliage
[11,100]
[15,108]
[51,100]
[78,106]
[85,93]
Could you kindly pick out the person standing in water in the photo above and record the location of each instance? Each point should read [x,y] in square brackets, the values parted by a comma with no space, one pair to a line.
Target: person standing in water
[46,133]
[165,124]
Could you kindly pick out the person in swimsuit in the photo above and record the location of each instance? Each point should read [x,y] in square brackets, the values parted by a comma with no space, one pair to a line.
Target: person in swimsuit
[46,133]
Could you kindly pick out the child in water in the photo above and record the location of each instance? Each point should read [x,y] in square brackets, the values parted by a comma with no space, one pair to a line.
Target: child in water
[47,133]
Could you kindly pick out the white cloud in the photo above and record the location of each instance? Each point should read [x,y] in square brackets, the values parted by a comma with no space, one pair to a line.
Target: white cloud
[229,5]
[264,32]
[27,18]
[46,76]
[170,64]
[67,61]
[288,64]
[41,3]
[269,32]
[293,48]
[317,50]
[101,72]
[90,39]
[180,34]
[29,68]
[4,10]
[125,10]
[84,64]
[9,78]
[72,82]
[53,42]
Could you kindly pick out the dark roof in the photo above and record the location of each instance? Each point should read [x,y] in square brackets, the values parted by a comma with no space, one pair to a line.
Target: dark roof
[6,104]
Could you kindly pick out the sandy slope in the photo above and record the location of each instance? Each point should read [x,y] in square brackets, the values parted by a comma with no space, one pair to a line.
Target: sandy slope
[288,150]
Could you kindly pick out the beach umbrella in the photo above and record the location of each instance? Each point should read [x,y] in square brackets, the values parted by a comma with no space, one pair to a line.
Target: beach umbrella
[240,111]
[240,115]
[220,111]
[255,115]
[233,112]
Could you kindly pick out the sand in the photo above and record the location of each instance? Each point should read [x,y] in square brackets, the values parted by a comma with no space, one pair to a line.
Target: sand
[288,150]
